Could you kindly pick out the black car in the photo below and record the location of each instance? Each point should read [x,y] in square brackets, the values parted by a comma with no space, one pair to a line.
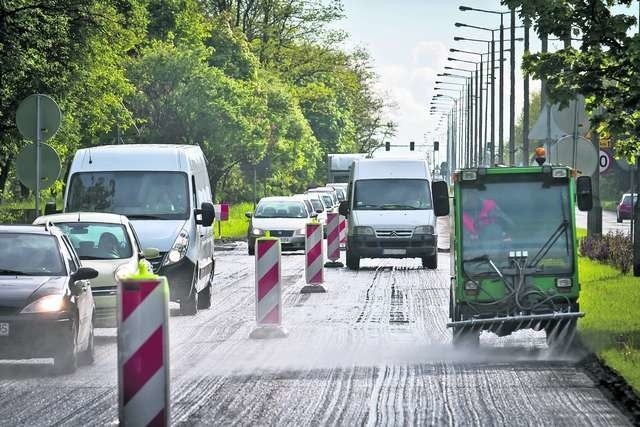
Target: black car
[46,306]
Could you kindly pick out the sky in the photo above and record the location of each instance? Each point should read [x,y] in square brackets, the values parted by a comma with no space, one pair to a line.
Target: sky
[409,43]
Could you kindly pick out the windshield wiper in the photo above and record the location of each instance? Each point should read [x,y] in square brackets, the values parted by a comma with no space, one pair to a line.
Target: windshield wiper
[144,216]
[485,258]
[546,247]
[12,272]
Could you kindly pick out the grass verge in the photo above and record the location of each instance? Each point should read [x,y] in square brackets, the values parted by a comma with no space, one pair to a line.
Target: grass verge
[236,226]
[611,326]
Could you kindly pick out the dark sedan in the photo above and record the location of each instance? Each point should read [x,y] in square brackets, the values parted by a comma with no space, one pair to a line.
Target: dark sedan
[46,306]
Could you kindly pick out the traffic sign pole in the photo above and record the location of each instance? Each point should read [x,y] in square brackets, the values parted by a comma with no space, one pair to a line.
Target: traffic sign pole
[38,139]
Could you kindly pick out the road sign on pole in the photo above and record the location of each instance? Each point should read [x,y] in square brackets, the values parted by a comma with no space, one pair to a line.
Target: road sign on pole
[38,119]
[604,161]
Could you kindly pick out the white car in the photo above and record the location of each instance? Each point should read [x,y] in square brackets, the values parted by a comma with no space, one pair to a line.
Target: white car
[328,196]
[283,217]
[105,242]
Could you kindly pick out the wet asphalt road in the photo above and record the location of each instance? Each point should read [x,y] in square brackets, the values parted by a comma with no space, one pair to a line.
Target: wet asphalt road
[609,222]
[373,350]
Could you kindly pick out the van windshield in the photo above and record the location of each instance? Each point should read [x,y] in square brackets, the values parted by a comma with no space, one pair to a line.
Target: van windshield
[136,194]
[392,194]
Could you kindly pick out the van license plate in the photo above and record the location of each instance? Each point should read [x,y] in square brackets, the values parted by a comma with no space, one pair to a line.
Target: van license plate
[4,329]
[285,239]
[394,251]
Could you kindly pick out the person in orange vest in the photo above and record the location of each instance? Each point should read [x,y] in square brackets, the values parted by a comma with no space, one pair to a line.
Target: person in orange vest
[482,217]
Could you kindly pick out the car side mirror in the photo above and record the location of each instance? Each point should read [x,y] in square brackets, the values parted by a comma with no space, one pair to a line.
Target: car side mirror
[343,209]
[150,253]
[248,214]
[313,215]
[207,214]
[584,193]
[440,191]
[85,273]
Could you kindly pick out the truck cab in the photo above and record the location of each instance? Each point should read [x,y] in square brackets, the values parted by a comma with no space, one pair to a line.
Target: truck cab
[514,257]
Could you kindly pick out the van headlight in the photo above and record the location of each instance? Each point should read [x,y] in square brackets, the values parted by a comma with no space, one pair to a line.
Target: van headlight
[423,229]
[47,304]
[301,232]
[255,231]
[363,231]
[178,249]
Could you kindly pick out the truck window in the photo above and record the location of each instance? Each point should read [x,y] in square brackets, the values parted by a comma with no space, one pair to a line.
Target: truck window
[392,194]
[136,194]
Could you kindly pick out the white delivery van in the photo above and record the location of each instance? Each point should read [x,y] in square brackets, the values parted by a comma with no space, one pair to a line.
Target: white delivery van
[164,190]
[390,212]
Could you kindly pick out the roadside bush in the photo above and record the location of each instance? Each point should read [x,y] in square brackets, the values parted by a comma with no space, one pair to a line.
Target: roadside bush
[614,249]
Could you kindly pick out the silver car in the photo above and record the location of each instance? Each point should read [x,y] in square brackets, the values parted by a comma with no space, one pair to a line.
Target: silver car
[108,243]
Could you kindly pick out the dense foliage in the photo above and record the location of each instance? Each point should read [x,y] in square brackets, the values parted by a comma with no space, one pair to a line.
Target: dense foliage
[603,65]
[260,85]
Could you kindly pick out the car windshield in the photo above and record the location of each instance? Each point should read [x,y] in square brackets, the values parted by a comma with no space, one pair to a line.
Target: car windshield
[518,215]
[142,194]
[327,200]
[30,255]
[98,240]
[392,194]
[280,209]
[627,199]
[317,204]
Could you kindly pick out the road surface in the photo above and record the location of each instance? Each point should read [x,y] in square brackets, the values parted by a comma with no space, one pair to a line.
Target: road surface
[609,222]
[373,350]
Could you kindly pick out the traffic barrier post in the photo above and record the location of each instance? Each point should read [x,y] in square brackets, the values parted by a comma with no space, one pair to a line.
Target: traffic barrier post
[333,240]
[143,349]
[314,258]
[268,289]
[343,232]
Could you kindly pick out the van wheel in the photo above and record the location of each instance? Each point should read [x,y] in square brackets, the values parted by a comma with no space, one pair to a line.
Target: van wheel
[430,262]
[189,304]
[353,261]
[252,250]
[204,297]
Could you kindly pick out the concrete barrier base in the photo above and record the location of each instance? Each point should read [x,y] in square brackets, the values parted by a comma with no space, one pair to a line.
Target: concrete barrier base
[268,332]
[313,289]
[333,264]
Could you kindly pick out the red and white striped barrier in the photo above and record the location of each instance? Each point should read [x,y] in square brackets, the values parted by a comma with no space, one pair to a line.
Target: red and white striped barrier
[222,211]
[143,351]
[268,290]
[343,232]
[314,258]
[333,240]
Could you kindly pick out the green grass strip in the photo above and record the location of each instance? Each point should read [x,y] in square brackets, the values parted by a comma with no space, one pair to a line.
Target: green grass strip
[611,326]
[236,226]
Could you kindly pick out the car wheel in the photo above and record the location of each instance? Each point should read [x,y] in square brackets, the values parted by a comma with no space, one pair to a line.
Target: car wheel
[430,262]
[353,261]
[204,297]
[87,357]
[618,218]
[66,360]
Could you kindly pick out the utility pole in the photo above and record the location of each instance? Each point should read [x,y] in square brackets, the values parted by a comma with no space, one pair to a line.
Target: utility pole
[525,111]
[512,89]
[493,99]
[635,237]
[501,94]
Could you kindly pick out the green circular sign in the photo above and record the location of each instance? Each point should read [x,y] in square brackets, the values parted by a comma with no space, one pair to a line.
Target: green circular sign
[26,166]
[27,117]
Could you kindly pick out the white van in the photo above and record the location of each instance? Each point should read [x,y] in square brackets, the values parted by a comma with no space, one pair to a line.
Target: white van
[390,212]
[164,190]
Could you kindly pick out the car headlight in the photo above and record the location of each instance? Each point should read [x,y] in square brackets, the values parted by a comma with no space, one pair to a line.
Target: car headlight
[255,231]
[301,232]
[124,271]
[423,229]
[363,231]
[178,249]
[47,304]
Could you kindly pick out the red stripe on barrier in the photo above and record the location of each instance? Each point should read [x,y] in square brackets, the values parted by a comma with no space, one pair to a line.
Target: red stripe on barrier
[268,281]
[273,316]
[144,363]
[318,278]
[158,420]
[334,234]
[132,299]
[264,247]
[314,253]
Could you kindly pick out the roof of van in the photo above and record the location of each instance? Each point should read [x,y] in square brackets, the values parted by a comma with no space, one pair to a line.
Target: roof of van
[136,157]
[391,168]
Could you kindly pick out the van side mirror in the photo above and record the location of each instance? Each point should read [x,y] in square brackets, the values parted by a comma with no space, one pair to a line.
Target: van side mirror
[207,213]
[50,208]
[440,192]
[584,193]
[343,209]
